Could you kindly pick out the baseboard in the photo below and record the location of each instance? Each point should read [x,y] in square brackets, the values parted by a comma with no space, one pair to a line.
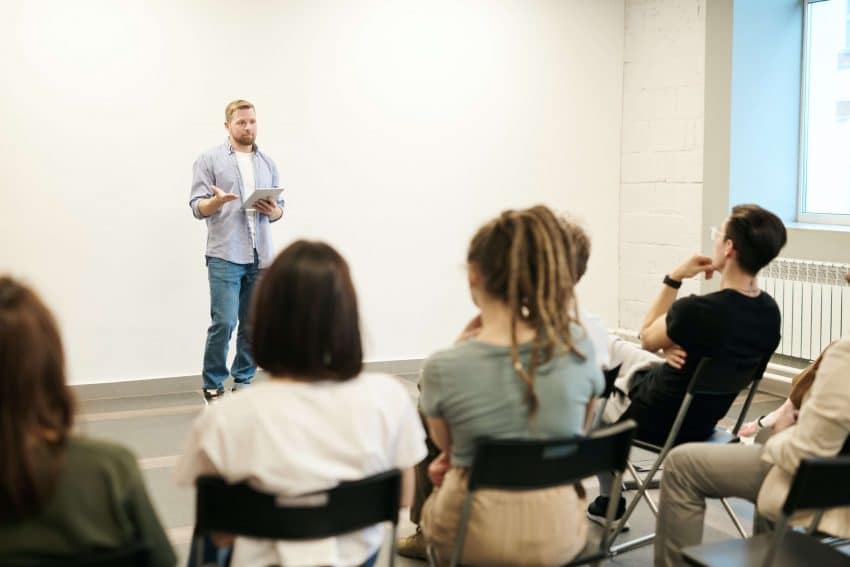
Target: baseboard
[407,369]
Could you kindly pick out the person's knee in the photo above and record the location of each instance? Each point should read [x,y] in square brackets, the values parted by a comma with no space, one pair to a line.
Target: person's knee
[678,462]
[225,315]
[222,325]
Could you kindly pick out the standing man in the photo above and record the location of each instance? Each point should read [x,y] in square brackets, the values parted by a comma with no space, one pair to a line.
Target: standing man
[239,242]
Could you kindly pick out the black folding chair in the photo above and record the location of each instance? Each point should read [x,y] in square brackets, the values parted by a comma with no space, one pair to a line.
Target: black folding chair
[238,509]
[712,378]
[819,484]
[133,555]
[520,465]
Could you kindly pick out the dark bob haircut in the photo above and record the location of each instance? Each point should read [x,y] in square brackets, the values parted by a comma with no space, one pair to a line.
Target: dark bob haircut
[305,320]
[758,236]
[36,406]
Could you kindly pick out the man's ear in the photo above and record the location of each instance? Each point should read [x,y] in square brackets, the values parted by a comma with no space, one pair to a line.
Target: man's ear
[729,249]
[472,277]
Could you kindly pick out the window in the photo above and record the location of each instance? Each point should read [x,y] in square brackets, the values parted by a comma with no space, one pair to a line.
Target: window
[825,114]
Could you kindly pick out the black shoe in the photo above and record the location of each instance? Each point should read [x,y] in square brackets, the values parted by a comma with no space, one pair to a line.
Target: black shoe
[212,396]
[599,507]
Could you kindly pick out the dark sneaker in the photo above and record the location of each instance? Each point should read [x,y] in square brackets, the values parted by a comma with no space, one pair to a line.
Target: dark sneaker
[240,386]
[212,395]
[412,546]
[599,507]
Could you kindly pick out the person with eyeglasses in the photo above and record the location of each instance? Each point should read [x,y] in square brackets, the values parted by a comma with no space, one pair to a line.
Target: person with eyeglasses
[739,322]
[761,474]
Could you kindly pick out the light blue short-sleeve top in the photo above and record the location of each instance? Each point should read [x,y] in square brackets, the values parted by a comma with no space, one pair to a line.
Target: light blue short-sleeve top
[474,387]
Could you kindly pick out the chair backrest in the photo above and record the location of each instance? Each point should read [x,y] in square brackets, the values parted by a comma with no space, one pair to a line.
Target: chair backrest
[714,385]
[523,464]
[725,377]
[818,484]
[239,509]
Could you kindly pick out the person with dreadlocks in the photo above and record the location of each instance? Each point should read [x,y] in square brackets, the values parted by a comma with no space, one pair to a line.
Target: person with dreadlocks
[530,372]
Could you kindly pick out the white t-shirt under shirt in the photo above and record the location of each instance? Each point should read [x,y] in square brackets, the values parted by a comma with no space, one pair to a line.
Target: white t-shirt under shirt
[245,161]
[598,334]
[293,438]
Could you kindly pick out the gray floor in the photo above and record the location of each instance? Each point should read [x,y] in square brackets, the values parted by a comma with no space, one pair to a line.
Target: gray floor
[154,428]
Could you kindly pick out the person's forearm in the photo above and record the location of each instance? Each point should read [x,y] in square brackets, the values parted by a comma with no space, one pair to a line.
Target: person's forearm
[438,430]
[208,206]
[665,298]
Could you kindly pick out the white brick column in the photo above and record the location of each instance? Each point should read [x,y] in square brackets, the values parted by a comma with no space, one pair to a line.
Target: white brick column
[661,175]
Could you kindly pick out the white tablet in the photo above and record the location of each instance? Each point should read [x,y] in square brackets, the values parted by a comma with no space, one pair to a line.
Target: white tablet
[271,194]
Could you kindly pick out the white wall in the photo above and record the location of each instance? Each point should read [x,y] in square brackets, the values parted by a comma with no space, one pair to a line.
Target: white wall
[662,152]
[398,127]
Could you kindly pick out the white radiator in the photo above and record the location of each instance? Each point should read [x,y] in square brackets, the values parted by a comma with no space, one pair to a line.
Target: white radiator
[814,300]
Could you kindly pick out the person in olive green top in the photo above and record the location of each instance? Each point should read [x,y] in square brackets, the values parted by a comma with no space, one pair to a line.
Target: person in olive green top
[60,496]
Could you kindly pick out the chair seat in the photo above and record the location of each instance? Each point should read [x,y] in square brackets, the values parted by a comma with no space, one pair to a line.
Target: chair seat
[719,436]
[797,549]
[722,436]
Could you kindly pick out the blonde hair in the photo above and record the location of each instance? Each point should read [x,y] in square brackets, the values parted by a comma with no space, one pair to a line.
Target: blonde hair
[527,259]
[234,106]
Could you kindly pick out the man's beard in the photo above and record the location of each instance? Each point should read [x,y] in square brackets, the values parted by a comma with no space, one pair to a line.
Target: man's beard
[246,140]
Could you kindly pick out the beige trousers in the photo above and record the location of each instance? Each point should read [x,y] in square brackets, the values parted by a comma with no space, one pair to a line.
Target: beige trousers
[692,473]
[539,527]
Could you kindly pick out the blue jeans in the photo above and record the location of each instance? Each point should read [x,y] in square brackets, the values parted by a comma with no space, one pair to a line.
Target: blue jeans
[230,302]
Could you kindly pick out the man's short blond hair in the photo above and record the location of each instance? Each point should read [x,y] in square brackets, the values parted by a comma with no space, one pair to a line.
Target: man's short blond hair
[234,106]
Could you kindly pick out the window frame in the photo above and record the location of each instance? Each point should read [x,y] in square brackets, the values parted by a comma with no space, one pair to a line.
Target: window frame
[802,215]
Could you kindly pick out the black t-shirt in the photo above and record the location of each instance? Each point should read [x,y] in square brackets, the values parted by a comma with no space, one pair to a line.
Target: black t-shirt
[724,325]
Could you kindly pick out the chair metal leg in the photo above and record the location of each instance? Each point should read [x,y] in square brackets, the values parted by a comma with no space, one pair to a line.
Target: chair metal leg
[813,527]
[651,502]
[461,531]
[199,550]
[636,543]
[613,501]
[640,493]
[734,517]
[638,484]
[643,485]
[779,530]
[393,545]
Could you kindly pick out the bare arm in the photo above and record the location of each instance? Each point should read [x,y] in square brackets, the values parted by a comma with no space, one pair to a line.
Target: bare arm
[440,435]
[589,412]
[408,486]
[653,332]
[212,204]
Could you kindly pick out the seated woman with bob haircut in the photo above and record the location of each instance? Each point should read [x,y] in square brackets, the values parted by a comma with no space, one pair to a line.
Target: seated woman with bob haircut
[319,420]
[529,372]
[62,497]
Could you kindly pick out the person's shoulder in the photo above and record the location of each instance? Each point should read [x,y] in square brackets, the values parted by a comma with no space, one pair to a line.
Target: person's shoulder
[841,346]
[101,455]
[705,299]
[768,301]
[382,382]
[213,152]
[260,153]
[697,305]
[447,358]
